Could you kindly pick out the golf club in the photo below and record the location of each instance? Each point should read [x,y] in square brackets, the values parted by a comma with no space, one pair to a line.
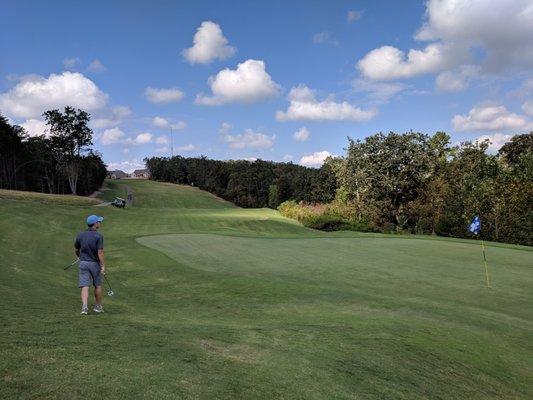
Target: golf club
[70,265]
[110,292]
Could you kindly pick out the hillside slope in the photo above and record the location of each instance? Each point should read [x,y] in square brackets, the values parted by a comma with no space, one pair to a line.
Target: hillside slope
[215,301]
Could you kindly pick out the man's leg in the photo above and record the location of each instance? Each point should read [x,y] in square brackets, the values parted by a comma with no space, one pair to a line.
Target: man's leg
[98,295]
[84,298]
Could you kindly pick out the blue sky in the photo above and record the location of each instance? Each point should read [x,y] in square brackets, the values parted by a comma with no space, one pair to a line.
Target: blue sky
[277,80]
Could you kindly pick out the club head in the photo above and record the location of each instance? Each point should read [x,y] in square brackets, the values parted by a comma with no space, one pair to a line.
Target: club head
[110,293]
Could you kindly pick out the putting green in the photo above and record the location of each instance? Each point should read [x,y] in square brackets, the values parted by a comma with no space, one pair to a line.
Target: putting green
[215,301]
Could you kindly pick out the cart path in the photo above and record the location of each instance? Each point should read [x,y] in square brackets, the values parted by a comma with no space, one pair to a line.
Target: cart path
[129,194]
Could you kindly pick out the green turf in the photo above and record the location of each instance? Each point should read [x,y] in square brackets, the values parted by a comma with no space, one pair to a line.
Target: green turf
[218,302]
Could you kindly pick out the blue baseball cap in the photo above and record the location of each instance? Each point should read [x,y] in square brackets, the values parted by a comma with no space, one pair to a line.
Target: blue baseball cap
[93,219]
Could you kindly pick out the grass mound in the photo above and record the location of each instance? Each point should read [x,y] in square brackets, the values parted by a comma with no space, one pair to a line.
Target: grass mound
[215,301]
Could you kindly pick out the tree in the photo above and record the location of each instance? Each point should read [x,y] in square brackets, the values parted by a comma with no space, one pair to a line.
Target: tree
[70,136]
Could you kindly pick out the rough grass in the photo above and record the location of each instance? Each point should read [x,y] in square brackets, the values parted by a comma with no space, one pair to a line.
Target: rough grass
[214,301]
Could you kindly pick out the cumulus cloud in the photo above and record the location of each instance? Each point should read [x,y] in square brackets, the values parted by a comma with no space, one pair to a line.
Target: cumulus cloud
[304,106]
[35,127]
[528,107]
[96,66]
[127,166]
[301,135]
[457,30]
[457,80]
[35,94]
[110,116]
[249,140]
[353,15]
[162,150]
[163,123]
[497,140]
[380,92]
[488,117]
[287,157]
[208,44]
[71,62]
[155,95]
[162,140]
[112,136]
[141,138]
[249,83]
[315,159]
[324,37]
[388,62]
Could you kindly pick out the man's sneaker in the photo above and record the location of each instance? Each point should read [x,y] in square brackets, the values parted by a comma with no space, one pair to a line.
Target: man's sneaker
[84,310]
[98,309]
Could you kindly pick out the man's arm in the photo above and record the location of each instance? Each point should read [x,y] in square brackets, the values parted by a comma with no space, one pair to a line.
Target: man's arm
[101,254]
[77,246]
[102,260]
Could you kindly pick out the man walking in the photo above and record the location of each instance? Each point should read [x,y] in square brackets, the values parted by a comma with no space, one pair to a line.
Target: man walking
[89,247]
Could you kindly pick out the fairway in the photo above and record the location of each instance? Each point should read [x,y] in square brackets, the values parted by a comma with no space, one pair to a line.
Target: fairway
[219,302]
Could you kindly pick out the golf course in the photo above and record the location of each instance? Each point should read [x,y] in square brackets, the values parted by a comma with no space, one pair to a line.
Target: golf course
[213,301]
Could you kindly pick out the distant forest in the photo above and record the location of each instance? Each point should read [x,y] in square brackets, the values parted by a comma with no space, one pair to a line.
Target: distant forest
[411,182]
[61,162]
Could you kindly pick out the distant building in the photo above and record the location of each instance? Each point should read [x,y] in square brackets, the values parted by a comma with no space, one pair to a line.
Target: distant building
[141,173]
[117,174]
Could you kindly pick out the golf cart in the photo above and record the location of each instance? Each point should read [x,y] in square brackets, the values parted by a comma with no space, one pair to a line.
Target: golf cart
[119,202]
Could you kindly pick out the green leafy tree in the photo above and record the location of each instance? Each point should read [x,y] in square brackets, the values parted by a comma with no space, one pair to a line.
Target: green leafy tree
[70,136]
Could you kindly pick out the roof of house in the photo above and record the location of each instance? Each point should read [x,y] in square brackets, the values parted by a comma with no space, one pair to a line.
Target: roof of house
[140,171]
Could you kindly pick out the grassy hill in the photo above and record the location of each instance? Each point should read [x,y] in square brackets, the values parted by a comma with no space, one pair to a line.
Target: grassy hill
[215,301]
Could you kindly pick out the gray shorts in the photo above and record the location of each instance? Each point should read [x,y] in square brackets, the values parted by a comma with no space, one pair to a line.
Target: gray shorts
[90,274]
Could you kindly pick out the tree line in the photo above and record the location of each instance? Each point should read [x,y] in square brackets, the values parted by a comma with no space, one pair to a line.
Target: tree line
[61,162]
[246,183]
[411,182]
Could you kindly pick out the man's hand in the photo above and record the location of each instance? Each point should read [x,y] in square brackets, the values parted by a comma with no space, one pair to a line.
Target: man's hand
[102,269]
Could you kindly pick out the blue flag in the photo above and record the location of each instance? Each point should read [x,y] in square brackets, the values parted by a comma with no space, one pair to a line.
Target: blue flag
[475,225]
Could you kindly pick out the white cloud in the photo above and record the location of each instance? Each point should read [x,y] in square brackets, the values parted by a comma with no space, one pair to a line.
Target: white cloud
[35,127]
[459,31]
[249,83]
[315,159]
[110,117]
[353,15]
[162,140]
[488,117]
[497,140]
[208,44]
[186,148]
[141,138]
[35,94]
[458,80]
[162,150]
[162,123]
[127,166]
[96,66]
[249,140]
[304,106]
[225,128]
[287,157]
[112,136]
[528,107]
[525,89]
[324,37]
[388,62]
[155,95]
[71,62]
[301,135]
[378,91]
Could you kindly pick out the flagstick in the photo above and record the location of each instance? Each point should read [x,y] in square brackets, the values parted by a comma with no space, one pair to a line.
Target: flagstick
[485,263]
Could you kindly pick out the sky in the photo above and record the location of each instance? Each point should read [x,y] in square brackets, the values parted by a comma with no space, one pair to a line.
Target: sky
[275,80]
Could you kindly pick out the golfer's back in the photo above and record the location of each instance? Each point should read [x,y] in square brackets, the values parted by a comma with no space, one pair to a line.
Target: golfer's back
[89,242]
